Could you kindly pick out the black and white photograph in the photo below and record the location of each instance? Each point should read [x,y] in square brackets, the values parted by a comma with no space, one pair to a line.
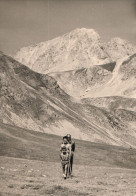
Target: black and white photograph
[67,97]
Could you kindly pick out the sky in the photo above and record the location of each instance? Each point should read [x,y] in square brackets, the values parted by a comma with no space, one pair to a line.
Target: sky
[26,22]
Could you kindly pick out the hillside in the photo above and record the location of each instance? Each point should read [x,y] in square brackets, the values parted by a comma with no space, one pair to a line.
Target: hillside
[112,79]
[122,82]
[36,102]
[121,107]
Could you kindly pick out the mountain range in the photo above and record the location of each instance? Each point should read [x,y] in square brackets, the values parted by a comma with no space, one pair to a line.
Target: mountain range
[72,84]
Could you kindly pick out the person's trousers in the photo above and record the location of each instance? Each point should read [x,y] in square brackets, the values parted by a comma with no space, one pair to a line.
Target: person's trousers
[71,162]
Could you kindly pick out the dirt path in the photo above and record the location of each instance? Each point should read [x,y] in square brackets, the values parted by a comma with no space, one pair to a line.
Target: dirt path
[27,177]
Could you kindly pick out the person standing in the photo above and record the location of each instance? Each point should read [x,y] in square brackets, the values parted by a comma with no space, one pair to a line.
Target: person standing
[72,143]
[65,154]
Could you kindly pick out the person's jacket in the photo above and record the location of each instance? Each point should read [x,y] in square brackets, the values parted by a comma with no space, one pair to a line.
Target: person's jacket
[72,143]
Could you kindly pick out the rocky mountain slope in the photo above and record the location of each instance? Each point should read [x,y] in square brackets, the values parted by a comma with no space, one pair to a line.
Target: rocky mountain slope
[35,101]
[78,82]
[112,79]
[118,48]
[77,49]
[80,48]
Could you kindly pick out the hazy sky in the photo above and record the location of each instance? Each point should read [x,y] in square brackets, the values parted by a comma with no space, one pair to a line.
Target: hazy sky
[25,22]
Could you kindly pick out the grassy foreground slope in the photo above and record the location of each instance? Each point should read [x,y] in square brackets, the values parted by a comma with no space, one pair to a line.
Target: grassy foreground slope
[22,143]
[29,165]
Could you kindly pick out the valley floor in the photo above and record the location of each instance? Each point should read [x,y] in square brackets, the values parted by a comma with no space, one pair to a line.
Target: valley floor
[32,177]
